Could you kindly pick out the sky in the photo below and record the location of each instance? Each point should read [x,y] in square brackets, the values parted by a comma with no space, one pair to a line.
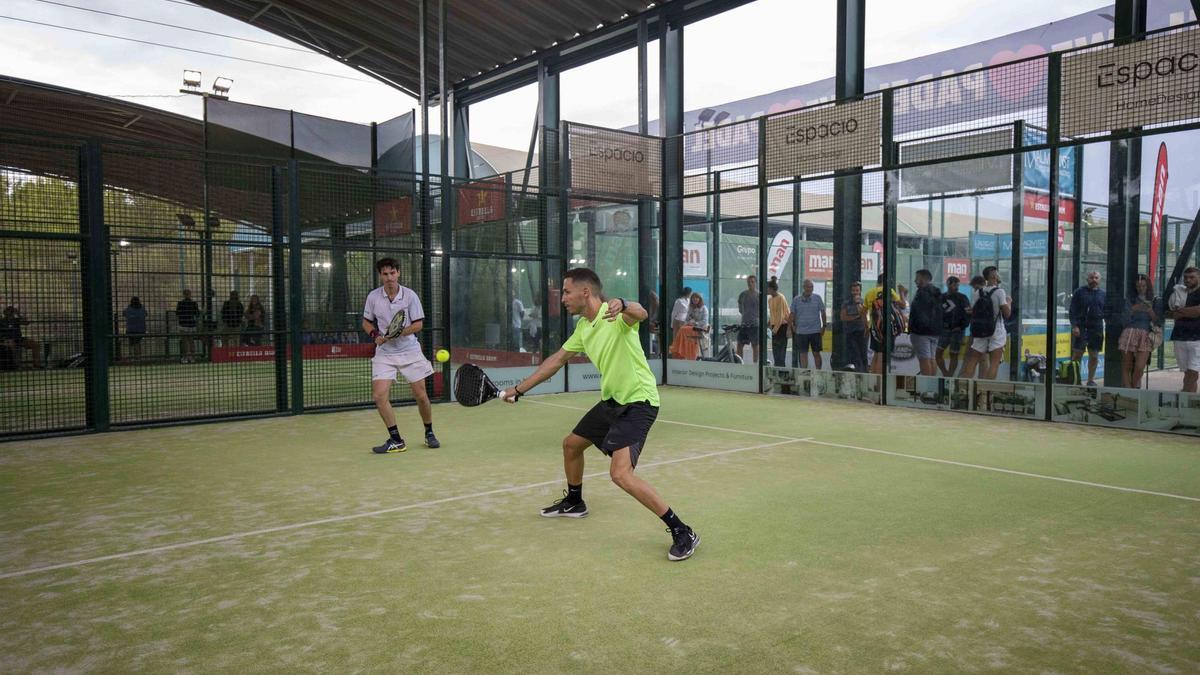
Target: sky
[761,47]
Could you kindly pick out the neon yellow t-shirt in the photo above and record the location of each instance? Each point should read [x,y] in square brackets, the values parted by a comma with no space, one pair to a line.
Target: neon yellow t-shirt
[613,347]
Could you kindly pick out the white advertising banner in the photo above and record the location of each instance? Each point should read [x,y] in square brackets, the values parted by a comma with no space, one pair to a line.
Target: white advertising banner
[779,253]
[823,140]
[695,258]
[1152,81]
[604,161]
[713,375]
[582,377]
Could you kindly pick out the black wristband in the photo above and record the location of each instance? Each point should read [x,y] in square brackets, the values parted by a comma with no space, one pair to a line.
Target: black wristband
[624,305]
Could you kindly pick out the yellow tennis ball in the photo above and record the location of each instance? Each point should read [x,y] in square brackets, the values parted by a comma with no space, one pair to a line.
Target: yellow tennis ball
[442,356]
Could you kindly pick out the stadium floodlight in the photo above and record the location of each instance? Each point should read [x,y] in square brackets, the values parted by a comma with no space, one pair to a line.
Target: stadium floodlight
[191,79]
[220,86]
[124,243]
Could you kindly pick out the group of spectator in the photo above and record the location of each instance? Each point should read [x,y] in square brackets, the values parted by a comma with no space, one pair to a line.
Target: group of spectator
[13,341]
[247,322]
[940,322]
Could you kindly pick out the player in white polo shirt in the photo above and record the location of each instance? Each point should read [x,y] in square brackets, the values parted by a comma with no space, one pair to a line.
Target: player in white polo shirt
[400,355]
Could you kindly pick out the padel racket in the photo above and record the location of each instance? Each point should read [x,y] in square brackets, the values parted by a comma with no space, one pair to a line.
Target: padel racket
[396,326]
[473,387]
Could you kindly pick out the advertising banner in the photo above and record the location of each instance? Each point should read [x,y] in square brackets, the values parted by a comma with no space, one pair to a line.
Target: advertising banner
[481,201]
[824,139]
[779,253]
[695,258]
[1151,81]
[393,218]
[607,161]
[1156,213]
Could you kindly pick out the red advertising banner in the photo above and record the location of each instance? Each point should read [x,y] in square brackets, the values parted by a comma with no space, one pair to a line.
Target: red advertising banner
[1037,205]
[483,203]
[494,357]
[393,217]
[957,267]
[267,353]
[818,264]
[1156,212]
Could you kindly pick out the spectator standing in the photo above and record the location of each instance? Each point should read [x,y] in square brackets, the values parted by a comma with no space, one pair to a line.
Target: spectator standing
[808,325]
[1142,313]
[679,310]
[748,308]
[1087,323]
[518,314]
[956,314]
[256,321]
[925,322]
[779,318]
[988,335]
[1186,335]
[186,314]
[135,326]
[232,312]
[854,325]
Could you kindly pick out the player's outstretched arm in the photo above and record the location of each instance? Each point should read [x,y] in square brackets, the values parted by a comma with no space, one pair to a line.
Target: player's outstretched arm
[544,372]
[630,311]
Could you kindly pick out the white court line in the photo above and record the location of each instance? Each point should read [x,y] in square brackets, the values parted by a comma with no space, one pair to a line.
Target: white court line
[367,514]
[918,457]
[1009,471]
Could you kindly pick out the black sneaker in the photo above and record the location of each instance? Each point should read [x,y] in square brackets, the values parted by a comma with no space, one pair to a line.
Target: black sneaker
[686,541]
[565,509]
[392,445]
[431,441]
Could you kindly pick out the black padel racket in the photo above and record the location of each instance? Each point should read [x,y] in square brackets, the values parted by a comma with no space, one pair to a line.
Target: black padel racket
[473,387]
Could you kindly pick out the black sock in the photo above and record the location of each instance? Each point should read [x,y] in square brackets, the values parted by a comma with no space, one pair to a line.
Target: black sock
[394,433]
[429,428]
[574,493]
[672,520]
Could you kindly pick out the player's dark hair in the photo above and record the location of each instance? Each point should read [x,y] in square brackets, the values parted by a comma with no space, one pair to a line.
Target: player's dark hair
[386,262]
[925,274]
[583,275]
[987,272]
[952,280]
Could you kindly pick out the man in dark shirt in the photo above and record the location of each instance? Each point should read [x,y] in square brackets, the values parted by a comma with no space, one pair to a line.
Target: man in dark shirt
[1087,323]
[186,313]
[1185,337]
[11,337]
[956,316]
[748,308]
[231,315]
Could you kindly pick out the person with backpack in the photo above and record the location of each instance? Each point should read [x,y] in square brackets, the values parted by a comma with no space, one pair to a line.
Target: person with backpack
[1087,323]
[956,315]
[879,332]
[925,321]
[988,335]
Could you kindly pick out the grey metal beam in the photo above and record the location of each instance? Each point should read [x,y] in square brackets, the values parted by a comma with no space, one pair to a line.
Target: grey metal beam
[1124,207]
[670,100]
[847,190]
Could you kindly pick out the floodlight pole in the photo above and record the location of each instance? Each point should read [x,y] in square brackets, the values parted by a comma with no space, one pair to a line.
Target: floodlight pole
[447,195]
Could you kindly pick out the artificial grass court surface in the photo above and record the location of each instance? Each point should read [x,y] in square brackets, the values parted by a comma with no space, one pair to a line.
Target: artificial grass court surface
[814,557]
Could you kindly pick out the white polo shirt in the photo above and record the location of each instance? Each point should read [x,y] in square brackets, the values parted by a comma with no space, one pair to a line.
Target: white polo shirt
[380,310]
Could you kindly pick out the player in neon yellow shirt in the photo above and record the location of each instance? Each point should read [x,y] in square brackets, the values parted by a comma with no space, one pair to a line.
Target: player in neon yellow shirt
[618,424]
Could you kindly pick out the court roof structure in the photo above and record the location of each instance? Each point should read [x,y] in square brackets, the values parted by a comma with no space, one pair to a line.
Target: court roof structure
[483,37]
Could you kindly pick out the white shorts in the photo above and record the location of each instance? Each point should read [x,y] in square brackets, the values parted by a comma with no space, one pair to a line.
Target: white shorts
[412,365]
[985,345]
[1187,354]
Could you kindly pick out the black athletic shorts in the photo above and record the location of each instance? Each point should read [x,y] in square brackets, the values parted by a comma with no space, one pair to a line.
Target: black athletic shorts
[611,426]
[748,333]
[1090,338]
